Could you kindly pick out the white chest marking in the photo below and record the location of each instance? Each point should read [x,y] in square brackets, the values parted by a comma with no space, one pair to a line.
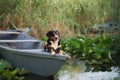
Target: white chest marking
[54,44]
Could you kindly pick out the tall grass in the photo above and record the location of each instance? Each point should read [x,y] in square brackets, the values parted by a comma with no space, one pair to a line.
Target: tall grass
[67,16]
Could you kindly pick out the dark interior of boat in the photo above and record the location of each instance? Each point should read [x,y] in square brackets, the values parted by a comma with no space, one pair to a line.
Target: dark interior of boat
[20,41]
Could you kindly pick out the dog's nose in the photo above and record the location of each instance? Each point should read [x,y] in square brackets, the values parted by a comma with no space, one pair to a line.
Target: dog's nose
[56,38]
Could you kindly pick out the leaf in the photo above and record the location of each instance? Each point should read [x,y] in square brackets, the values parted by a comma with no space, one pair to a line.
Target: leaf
[93,61]
[106,60]
[14,72]
[24,71]
[97,56]
[3,64]
[90,50]
[19,78]
[7,74]
[109,54]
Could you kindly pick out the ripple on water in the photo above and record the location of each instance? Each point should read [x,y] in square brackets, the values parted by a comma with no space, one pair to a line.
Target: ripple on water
[74,73]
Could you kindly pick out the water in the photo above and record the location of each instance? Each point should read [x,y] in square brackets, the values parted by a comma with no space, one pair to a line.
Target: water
[35,77]
[77,72]
[90,76]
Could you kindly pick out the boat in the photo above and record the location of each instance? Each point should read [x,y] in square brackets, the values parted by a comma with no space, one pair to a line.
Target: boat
[24,51]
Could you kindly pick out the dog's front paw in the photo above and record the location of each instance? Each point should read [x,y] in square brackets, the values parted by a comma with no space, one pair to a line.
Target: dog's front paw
[53,53]
[60,52]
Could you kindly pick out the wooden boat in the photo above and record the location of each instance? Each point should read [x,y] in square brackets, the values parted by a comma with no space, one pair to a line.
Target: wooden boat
[25,51]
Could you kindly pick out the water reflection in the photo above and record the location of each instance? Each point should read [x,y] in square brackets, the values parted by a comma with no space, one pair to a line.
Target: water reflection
[31,76]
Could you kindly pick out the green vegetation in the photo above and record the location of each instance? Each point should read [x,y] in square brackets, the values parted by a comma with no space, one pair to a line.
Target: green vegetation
[102,52]
[7,72]
[71,16]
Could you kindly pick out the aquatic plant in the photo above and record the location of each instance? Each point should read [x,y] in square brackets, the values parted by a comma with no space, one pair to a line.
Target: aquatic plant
[96,51]
[8,72]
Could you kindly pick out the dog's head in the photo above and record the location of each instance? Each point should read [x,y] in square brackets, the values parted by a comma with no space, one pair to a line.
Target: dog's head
[53,35]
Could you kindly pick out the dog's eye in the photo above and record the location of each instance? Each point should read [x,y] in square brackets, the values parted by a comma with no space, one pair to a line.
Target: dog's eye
[52,35]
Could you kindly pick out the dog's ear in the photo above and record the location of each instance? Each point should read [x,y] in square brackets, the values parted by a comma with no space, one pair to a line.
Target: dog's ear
[57,32]
[48,33]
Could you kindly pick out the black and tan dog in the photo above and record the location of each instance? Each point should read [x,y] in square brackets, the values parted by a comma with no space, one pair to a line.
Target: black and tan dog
[53,44]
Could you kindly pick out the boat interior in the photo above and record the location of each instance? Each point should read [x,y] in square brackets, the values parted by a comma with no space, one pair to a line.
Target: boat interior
[19,40]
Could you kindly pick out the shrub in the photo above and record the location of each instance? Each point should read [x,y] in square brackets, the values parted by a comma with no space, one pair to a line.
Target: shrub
[95,51]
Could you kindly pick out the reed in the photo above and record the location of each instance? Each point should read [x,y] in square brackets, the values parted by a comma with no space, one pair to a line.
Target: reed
[67,16]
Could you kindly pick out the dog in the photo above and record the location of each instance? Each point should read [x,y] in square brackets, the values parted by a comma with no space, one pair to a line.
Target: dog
[53,44]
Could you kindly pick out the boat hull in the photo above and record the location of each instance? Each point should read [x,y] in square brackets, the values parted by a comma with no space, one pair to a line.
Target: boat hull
[35,61]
